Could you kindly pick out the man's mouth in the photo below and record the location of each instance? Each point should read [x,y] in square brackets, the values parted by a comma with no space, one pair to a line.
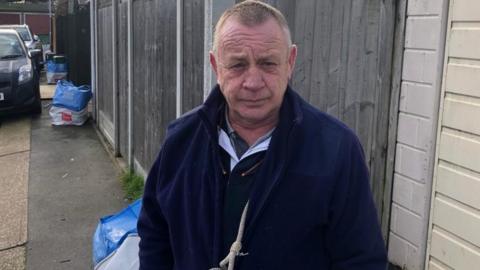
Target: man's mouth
[254,102]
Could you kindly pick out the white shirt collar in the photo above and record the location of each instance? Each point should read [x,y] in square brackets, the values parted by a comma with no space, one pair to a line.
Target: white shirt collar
[224,141]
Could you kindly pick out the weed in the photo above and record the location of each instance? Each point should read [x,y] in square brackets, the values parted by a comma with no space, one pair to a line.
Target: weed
[132,184]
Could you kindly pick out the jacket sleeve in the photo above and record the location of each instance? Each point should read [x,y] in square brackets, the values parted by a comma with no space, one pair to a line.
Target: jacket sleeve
[155,249]
[354,238]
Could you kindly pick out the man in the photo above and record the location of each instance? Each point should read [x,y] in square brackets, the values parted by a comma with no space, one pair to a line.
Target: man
[256,178]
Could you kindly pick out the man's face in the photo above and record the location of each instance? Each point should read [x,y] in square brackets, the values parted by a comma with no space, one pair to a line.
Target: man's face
[253,65]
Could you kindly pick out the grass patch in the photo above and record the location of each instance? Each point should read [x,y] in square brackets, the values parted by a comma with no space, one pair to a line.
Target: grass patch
[132,184]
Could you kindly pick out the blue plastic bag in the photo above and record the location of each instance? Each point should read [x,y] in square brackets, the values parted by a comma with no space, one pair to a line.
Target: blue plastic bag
[112,230]
[56,67]
[72,97]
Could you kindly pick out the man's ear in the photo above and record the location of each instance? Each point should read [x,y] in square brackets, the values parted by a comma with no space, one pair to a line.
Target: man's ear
[213,62]
[292,56]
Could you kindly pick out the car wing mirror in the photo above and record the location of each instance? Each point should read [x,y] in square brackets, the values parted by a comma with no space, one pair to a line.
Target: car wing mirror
[36,38]
[34,52]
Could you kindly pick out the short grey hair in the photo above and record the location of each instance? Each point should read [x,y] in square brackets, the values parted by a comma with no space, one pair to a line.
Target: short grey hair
[251,13]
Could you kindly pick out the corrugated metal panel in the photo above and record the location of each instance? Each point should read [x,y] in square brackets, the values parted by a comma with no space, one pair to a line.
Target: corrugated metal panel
[455,230]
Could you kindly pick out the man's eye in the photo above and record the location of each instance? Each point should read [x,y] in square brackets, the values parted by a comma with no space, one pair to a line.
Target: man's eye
[269,64]
[237,66]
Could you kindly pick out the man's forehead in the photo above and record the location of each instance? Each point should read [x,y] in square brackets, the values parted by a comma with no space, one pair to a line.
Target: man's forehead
[240,52]
[267,33]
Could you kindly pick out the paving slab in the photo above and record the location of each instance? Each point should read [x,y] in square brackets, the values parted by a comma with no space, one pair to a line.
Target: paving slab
[47,91]
[13,200]
[12,259]
[14,135]
[73,182]
[14,159]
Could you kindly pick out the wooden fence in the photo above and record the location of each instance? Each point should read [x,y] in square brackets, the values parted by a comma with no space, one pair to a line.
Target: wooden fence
[344,67]
[72,39]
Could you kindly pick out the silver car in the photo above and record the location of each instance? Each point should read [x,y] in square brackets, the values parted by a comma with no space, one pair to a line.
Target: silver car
[32,42]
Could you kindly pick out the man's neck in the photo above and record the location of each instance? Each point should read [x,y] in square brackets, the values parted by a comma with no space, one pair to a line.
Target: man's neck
[251,132]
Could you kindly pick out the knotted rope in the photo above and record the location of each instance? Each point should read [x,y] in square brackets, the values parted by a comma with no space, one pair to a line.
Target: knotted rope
[229,261]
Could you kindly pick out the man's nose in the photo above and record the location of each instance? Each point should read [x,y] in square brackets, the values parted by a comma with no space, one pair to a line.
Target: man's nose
[253,79]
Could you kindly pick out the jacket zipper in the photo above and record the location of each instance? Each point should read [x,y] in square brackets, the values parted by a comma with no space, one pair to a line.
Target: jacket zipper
[250,171]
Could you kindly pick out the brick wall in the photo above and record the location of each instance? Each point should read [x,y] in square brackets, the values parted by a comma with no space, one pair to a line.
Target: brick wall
[38,23]
[9,18]
[420,90]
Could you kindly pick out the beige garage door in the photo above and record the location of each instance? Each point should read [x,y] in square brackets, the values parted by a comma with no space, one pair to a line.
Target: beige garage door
[455,218]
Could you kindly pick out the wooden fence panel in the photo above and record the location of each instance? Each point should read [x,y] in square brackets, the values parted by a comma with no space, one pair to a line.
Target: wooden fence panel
[122,69]
[344,68]
[154,45]
[72,39]
[193,29]
[105,57]
[78,52]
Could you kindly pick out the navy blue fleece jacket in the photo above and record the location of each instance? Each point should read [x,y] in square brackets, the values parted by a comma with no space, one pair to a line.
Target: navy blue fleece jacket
[310,204]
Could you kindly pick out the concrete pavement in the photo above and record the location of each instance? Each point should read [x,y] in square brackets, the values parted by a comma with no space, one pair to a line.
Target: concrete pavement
[14,157]
[73,182]
[59,181]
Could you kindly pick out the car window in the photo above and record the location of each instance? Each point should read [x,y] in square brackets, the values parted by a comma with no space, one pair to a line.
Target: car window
[24,34]
[10,47]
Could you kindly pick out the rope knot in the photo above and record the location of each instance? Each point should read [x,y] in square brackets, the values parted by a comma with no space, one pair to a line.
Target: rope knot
[229,261]
[236,247]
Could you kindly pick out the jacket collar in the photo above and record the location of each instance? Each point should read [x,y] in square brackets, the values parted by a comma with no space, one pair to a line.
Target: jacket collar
[276,159]
[211,109]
